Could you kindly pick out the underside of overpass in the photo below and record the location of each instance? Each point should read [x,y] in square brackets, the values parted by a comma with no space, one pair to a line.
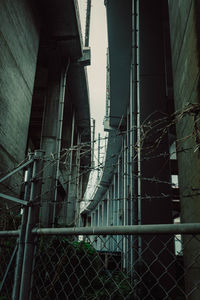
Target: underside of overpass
[150,178]
[45,103]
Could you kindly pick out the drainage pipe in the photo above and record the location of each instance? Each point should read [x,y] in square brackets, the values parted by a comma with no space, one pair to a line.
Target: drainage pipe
[59,132]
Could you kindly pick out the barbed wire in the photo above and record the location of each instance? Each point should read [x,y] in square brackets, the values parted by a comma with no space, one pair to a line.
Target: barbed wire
[160,126]
[191,109]
[108,168]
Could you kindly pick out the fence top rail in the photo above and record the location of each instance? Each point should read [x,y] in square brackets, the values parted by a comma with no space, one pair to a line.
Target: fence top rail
[9,233]
[183,228]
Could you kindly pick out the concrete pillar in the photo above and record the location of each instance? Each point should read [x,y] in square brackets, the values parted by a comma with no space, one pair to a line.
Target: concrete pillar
[153,98]
[49,138]
[100,215]
[105,212]
[153,104]
[110,213]
[120,190]
[185,49]
[118,200]
[92,219]
[78,182]
[125,206]
[115,203]
[131,145]
[71,197]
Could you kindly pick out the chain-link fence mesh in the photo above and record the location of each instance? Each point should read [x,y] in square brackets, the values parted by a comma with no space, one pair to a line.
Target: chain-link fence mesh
[8,251]
[117,267]
[109,267]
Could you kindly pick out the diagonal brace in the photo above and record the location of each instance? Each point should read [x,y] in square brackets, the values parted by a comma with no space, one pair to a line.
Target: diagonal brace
[23,202]
[16,170]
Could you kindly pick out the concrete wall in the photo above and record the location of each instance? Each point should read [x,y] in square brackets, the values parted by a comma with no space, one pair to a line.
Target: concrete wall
[19,39]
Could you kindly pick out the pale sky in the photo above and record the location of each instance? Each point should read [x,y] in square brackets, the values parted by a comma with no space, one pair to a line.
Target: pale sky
[97,70]
[96,75]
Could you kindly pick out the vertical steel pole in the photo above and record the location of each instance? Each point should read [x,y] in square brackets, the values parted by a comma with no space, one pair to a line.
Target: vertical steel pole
[137,67]
[124,197]
[115,206]
[70,204]
[93,144]
[77,204]
[118,197]
[33,212]
[132,141]
[20,251]
[99,147]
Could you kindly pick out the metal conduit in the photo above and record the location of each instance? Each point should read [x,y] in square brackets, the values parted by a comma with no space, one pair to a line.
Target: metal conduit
[59,130]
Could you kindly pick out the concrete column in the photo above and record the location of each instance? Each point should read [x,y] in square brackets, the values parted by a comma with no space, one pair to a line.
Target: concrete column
[128,168]
[97,224]
[118,197]
[131,146]
[100,215]
[153,106]
[124,182]
[105,212]
[111,214]
[71,197]
[120,190]
[78,182]
[111,191]
[115,202]
[125,208]
[185,63]
[49,138]
[96,217]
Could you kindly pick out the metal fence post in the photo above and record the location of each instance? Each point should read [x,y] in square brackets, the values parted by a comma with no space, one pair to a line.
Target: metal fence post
[20,251]
[33,211]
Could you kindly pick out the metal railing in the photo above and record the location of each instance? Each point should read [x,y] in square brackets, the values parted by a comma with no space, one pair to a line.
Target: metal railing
[108,263]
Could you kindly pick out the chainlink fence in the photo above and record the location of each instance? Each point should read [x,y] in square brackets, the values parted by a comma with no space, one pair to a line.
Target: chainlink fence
[8,251]
[108,266]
